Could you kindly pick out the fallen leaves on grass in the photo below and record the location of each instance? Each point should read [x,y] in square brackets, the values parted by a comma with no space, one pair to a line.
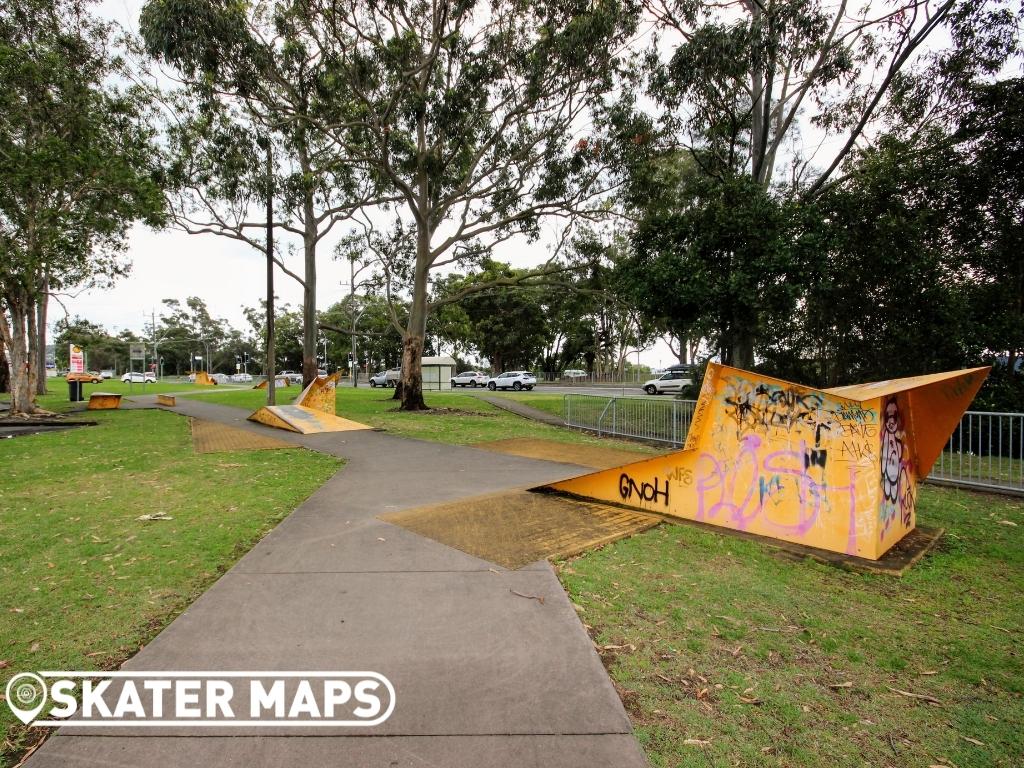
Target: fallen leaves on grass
[919,696]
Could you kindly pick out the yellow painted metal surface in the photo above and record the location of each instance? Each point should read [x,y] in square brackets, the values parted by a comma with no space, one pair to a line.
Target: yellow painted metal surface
[279,382]
[214,437]
[203,379]
[104,401]
[166,400]
[319,395]
[306,421]
[837,470]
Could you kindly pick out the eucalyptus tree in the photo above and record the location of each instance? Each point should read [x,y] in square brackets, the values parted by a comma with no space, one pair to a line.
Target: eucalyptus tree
[250,83]
[78,164]
[476,115]
[774,97]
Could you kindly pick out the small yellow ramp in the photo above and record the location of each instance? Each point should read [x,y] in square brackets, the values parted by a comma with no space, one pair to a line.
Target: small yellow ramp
[279,381]
[313,411]
[203,379]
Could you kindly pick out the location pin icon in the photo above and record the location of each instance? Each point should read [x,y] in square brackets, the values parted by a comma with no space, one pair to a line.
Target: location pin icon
[26,695]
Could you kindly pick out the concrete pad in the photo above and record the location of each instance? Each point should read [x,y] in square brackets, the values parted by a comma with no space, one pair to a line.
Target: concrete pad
[514,528]
[465,654]
[565,751]
[214,437]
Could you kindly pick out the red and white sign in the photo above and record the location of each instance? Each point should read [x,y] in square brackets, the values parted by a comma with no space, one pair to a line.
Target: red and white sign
[77,360]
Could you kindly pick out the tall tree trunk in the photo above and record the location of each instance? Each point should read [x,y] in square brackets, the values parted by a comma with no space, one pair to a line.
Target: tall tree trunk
[15,336]
[416,329]
[41,311]
[32,349]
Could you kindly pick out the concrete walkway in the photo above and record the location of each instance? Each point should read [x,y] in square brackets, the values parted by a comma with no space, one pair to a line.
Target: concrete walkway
[522,409]
[483,677]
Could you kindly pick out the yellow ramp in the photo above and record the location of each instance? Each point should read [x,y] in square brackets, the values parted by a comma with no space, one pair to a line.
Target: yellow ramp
[835,469]
[203,379]
[312,412]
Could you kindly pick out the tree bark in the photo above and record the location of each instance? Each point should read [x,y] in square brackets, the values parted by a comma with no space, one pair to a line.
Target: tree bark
[15,336]
[5,370]
[41,311]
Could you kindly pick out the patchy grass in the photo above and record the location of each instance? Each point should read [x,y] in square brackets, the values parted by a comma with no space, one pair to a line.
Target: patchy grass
[83,583]
[458,418]
[726,654]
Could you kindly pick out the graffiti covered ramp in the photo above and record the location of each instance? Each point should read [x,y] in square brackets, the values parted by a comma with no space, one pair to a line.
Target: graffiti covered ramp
[836,470]
[312,412]
[517,528]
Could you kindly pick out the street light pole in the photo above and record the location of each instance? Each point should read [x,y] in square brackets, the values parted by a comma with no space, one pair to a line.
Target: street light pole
[271,396]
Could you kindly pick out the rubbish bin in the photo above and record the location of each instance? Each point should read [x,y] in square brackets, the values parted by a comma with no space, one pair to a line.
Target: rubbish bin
[75,391]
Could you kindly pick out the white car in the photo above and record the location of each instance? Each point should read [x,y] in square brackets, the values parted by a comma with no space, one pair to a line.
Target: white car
[574,374]
[220,378]
[139,378]
[242,377]
[516,380]
[469,379]
[673,381]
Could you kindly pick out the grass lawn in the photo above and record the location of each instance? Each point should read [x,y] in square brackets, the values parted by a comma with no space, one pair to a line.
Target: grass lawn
[83,584]
[56,398]
[542,401]
[727,654]
[458,417]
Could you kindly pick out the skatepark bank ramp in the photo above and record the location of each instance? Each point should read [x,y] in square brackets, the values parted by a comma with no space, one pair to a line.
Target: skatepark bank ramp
[834,469]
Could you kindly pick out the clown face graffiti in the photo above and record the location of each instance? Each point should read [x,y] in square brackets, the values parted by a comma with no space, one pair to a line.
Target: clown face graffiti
[897,493]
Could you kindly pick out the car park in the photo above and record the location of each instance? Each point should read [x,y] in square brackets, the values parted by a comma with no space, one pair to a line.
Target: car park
[136,377]
[469,379]
[672,381]
[516,380]
[242,378]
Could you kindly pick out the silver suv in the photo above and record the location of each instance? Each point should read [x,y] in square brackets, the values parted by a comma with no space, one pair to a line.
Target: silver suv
[516,380]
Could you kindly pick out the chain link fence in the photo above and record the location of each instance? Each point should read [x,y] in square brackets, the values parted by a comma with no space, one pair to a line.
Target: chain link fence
[985,451]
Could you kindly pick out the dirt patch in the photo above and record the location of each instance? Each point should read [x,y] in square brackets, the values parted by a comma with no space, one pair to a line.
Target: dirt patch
[516,528]
[212,437]
[595,456]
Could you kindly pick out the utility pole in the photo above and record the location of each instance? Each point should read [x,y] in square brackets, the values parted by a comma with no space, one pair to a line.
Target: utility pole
[270,276]
[354,365]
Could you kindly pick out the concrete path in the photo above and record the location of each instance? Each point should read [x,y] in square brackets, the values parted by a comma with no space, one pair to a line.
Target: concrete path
[482,677]
[522,409]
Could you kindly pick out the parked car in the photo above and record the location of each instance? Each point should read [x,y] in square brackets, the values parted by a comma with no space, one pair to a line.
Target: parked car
[90,377]
[108,374]
[137,377]
[574,374]
[379,379]
[242,377]
[393,376]
[292,376]
[469,379]
[516,380]
[672,381]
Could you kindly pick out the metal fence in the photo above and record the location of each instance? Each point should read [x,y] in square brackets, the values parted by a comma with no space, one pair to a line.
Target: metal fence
[985,451]
[665,420]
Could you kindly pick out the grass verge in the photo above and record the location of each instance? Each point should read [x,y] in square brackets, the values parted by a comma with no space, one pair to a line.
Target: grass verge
[456,417]
[83,584]
[727,654]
